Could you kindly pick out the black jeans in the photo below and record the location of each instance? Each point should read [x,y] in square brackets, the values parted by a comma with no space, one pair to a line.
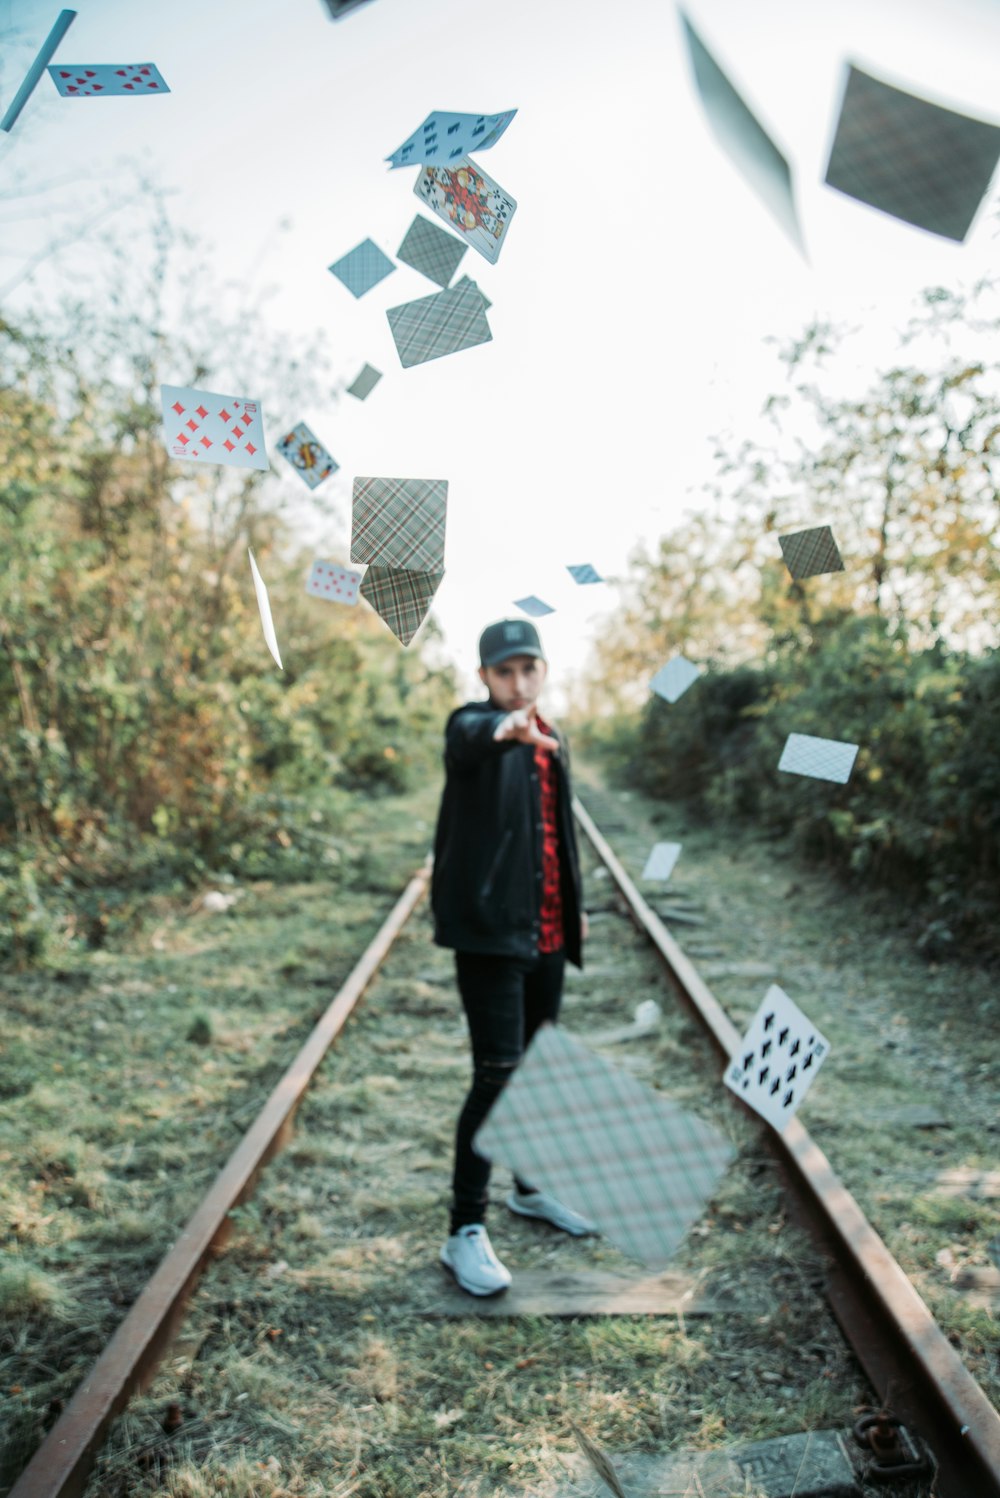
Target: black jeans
[505,1000]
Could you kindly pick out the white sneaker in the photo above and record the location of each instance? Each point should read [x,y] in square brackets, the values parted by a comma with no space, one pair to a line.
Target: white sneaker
[470,1257]
[539,1204]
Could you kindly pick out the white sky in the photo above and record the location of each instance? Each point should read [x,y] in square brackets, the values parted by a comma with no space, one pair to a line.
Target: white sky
[637,282]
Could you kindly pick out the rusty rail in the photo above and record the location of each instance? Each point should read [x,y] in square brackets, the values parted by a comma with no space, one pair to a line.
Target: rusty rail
[62,1463]
[907,1358]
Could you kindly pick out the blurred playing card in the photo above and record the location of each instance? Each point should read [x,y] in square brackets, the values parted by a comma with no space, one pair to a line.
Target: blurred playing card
[307,455]
[629,1158]
[264,605]
[469,202]
[365,382]
[808,553]
[600,1461]
[107,80]
[362,268]
[199,424]
[432,251]
[777,1059]
[742,137]
[334,583]
[533,606]
[401,596]
[822,759]
[660,863]
[445,137]
[340,8]
[915,160]
[673,679]
[585,573]
[443,323]
[399,522]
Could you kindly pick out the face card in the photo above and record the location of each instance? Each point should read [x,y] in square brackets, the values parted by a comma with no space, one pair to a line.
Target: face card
[107,80]
[33,76]
[469,202]
[365,383]
[264,605]
[307,455]
[585,573]
[432,251]
[673,679]
[917,161]
[777,1060]
[533,606]
[821,759]
[399,522]
[210,428]
[443,323]
[401,597]
[334,583]
[808,553]
[660,863]
[605,1144]
[742,137]
[362,268]
[445,137]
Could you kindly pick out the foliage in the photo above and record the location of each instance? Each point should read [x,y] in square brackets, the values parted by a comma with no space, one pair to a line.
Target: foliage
[144,732]
[895,653]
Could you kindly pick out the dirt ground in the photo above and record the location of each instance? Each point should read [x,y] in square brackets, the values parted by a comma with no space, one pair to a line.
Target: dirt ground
[309,1363]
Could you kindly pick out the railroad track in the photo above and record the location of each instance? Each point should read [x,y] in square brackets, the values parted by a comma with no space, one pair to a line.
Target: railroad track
[907,1359]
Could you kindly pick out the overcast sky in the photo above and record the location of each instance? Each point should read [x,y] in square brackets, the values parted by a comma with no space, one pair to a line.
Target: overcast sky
[638,281]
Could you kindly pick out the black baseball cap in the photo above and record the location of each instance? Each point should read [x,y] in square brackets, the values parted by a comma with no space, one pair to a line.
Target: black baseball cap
[498,642]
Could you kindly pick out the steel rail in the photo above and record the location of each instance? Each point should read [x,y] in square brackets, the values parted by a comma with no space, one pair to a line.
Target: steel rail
[905,1354]
[62,1463]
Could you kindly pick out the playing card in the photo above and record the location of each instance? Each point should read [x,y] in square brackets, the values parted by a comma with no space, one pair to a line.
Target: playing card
[918,161]
[401,596]
[468,281]
[307,455]
[660,863]
[264,605]
[673,679]
[362,268]
[432,251]
[210,428]
[340,8]
[107,80]
[808,553]
[584,573]
[334,583]
[446,137]
[777,1059]
[533,606]
[571,1123]
[399,522]
[742,137]
[443,323]
[365,383]
[33,76]
[469,202]
[822,759]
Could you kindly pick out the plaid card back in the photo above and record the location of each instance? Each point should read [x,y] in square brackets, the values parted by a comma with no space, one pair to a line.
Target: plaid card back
[605,1144]
[673,679]
[821,759]
[918,161]
[365,382]
[401,597]
[444,323]
[533,606]
[585,573]
[399,522]
[431,250]
[743,137]
[808,553]
[362,268]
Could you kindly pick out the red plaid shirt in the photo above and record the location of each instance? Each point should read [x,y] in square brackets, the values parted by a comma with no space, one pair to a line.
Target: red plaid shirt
[551,935]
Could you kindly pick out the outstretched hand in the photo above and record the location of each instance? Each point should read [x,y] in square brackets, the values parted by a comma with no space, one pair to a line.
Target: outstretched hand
[521,726]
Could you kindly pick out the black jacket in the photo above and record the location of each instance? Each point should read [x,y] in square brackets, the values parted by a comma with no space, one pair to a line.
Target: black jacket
[486,891]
